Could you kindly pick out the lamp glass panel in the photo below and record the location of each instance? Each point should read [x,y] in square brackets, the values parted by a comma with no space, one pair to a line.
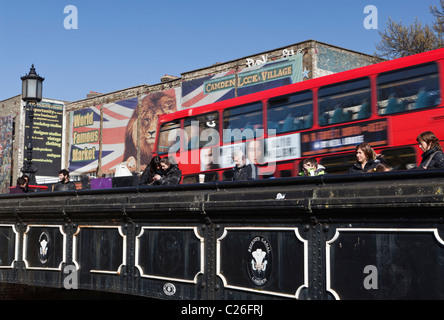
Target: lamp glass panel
[32,88]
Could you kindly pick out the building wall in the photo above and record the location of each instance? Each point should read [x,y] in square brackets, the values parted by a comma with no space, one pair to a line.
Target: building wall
[14,107]
[329,59]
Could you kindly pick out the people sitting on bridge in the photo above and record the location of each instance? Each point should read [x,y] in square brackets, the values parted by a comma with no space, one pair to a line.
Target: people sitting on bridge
[366,159]
[171,174]
[152,170]
[64,183]
[243,168]
[20,187]
[310,167]
[433,157]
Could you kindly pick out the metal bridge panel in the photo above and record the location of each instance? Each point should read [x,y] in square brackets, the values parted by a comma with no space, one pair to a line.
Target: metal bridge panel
[44,247]
[170,253]
[385,263]
[299,238]
[263,260]
[9,241]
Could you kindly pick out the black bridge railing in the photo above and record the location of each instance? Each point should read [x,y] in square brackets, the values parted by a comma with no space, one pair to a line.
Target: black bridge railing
[373,236]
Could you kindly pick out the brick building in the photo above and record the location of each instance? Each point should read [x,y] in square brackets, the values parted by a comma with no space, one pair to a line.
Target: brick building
[48,124]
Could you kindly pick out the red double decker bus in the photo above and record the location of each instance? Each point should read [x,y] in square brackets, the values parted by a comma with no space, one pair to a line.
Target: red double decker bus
[386,104]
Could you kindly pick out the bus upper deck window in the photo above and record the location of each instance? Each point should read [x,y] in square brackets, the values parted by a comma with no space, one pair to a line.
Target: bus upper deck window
[169,137]
[408,89]
[244,122]
[344,102]
[291,112]
[201,131]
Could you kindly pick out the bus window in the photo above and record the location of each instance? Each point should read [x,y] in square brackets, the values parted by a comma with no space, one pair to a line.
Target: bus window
[400,158]
[169,137]
[338,164]
[201,131]
[408,89]
[344,102]
[244,122]
[290,113]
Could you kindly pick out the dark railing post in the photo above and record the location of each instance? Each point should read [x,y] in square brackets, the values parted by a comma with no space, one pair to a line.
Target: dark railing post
[28,167]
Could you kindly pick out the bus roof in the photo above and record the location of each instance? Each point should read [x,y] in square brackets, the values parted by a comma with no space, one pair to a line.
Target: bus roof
[369,70]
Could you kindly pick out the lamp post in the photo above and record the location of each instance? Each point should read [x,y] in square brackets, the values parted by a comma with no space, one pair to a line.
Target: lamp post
[31,94]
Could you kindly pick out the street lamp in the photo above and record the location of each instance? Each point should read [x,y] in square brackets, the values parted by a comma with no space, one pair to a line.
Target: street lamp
[31,94]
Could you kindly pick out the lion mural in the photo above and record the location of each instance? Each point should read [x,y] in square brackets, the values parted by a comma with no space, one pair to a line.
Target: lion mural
[152,106]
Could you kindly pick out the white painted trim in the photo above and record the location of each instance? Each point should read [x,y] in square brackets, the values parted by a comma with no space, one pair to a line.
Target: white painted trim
[298,236]
[202,247]
[336,236]
[25,246]
[16,246]
[124,245]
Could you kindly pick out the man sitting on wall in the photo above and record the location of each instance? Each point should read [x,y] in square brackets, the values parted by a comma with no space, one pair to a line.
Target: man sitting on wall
[243,168]
[64,184]
[21,186]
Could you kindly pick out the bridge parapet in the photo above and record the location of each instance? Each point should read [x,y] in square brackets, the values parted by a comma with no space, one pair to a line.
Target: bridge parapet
[373,236]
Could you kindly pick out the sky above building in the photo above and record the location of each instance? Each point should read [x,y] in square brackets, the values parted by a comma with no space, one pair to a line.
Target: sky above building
[107,45]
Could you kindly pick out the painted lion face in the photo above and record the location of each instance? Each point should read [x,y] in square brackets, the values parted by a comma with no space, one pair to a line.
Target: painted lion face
[152,106]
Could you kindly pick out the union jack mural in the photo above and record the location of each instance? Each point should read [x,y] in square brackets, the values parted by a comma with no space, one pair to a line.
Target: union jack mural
[87,134]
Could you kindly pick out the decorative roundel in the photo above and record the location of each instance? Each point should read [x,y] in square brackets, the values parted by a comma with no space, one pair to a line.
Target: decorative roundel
[259,260]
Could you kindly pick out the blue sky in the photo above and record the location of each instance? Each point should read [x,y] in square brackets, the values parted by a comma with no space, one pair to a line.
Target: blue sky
[120,44]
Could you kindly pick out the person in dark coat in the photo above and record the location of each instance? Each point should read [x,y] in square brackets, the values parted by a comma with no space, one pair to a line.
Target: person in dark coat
[64,184]
[366,159]
[171,174]
[243,169]
[20,187]
[151,171]
[433,157]
[27,189]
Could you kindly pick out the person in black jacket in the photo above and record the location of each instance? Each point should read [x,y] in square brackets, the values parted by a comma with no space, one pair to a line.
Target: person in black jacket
[64,184]
[151,171]
[433,157]
[171,173]
[20,187]
[243,169]
[366,159]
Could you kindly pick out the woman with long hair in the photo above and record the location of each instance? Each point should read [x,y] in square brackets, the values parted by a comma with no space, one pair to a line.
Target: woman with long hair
[433,157]
[151,171]
[171,174]
[366,159]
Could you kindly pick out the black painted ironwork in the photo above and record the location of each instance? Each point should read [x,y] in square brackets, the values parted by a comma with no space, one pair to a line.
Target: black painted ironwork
[373,236]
